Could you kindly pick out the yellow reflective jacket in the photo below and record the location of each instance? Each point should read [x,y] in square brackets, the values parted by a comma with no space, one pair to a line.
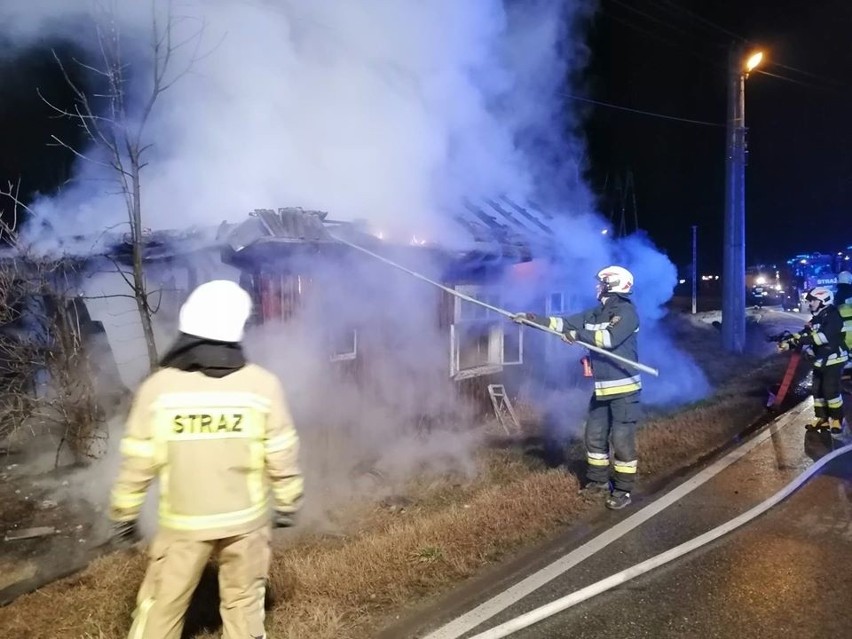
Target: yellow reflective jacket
[846,314]
[219,447]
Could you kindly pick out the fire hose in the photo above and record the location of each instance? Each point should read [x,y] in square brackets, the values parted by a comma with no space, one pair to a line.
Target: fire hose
[579,596]
[502,311]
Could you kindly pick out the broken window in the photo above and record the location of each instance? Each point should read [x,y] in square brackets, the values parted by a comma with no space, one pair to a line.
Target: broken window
[482,341]
[344,345]
[555,304]
[280,295]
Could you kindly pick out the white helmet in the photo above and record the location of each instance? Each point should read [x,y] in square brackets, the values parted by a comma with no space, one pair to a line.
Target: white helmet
[216,311]
[844,277]
[615,279]
[822,295]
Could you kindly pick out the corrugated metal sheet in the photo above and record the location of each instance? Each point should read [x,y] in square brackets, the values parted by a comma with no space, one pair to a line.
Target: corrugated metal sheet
[294,224]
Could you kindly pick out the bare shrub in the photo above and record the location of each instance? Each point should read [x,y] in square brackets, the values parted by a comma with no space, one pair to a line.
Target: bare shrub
[46,379]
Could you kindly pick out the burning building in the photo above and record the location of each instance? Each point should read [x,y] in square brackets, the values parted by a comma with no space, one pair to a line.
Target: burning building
[354,312]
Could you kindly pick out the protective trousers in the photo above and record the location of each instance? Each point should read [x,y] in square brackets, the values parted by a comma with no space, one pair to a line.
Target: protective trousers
[612,422]
[174,570]
[828,401]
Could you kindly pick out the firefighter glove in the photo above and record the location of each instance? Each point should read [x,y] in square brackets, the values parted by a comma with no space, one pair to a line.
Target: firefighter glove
[523,318]
[281,519]
[569,336]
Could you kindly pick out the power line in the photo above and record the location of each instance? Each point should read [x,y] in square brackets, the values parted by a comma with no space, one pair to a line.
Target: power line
[641,112]
[835,83]
[653,18]
[787,79]
[702,19]
[691,51]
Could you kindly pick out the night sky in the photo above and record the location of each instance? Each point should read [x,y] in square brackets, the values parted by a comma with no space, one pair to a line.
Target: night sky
[654,55]
[662,56]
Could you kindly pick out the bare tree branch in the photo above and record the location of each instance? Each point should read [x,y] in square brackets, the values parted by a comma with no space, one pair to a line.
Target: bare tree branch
[117,129]
[17,203]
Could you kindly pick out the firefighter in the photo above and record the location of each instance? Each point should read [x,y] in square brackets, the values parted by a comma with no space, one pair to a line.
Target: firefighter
[614,408]
[822,340]
[217,432]
[844,288]
[844,306]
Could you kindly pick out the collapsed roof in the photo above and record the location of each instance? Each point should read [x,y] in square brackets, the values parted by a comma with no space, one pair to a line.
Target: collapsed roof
[498,230]
[501,229]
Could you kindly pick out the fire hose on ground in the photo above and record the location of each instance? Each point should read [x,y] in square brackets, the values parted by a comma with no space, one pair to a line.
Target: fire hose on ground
[554,607]
[502,311]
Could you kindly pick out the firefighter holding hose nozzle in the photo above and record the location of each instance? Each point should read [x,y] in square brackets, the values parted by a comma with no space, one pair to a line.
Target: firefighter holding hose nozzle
[614,408]
[822,341]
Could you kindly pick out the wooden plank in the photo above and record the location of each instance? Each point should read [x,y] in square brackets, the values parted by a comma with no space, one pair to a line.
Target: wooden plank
[29,533]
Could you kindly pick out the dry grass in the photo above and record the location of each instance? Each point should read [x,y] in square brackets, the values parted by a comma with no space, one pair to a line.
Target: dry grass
[346,586]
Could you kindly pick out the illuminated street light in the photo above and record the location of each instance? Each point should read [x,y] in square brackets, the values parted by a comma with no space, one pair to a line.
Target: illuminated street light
[753,61]
[734,280]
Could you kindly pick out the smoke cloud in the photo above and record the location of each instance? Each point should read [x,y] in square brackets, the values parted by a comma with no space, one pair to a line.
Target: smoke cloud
[388,111]
[391,111]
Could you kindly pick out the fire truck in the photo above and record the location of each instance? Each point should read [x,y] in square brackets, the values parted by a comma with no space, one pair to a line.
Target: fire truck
[814,269]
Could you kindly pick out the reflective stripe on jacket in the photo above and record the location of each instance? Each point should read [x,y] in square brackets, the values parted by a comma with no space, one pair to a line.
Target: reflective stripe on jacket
[845,311]
[219,447]
[824,334]
[613,326]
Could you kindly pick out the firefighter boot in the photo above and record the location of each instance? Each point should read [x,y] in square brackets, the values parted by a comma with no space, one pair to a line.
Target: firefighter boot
[618,500]
[819,424]
[596,487]
[836,427]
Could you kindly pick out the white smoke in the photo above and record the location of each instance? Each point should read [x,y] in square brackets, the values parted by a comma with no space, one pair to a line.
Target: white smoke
[393,111]
[388,111]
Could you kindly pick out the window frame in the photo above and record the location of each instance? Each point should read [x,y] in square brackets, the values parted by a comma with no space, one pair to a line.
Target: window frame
[497,333]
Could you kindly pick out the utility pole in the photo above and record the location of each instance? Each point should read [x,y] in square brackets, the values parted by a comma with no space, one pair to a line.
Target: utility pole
[694,270]
[733,271]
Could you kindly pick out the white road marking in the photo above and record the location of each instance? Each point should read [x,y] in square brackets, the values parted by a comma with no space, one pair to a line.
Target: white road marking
[510,596]
[584,594]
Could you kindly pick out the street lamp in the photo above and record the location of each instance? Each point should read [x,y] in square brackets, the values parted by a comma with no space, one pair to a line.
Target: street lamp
[733,273]
[753,61]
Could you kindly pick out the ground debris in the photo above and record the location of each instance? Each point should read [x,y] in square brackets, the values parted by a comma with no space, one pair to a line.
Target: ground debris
[396,503]
[29,533]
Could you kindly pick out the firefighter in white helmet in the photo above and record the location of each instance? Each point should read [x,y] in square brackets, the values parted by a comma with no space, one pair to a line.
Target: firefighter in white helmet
[217,431]
[822,340]
[614,409]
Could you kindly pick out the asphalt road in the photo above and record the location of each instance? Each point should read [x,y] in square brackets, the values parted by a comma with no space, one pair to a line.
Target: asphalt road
[786,574]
